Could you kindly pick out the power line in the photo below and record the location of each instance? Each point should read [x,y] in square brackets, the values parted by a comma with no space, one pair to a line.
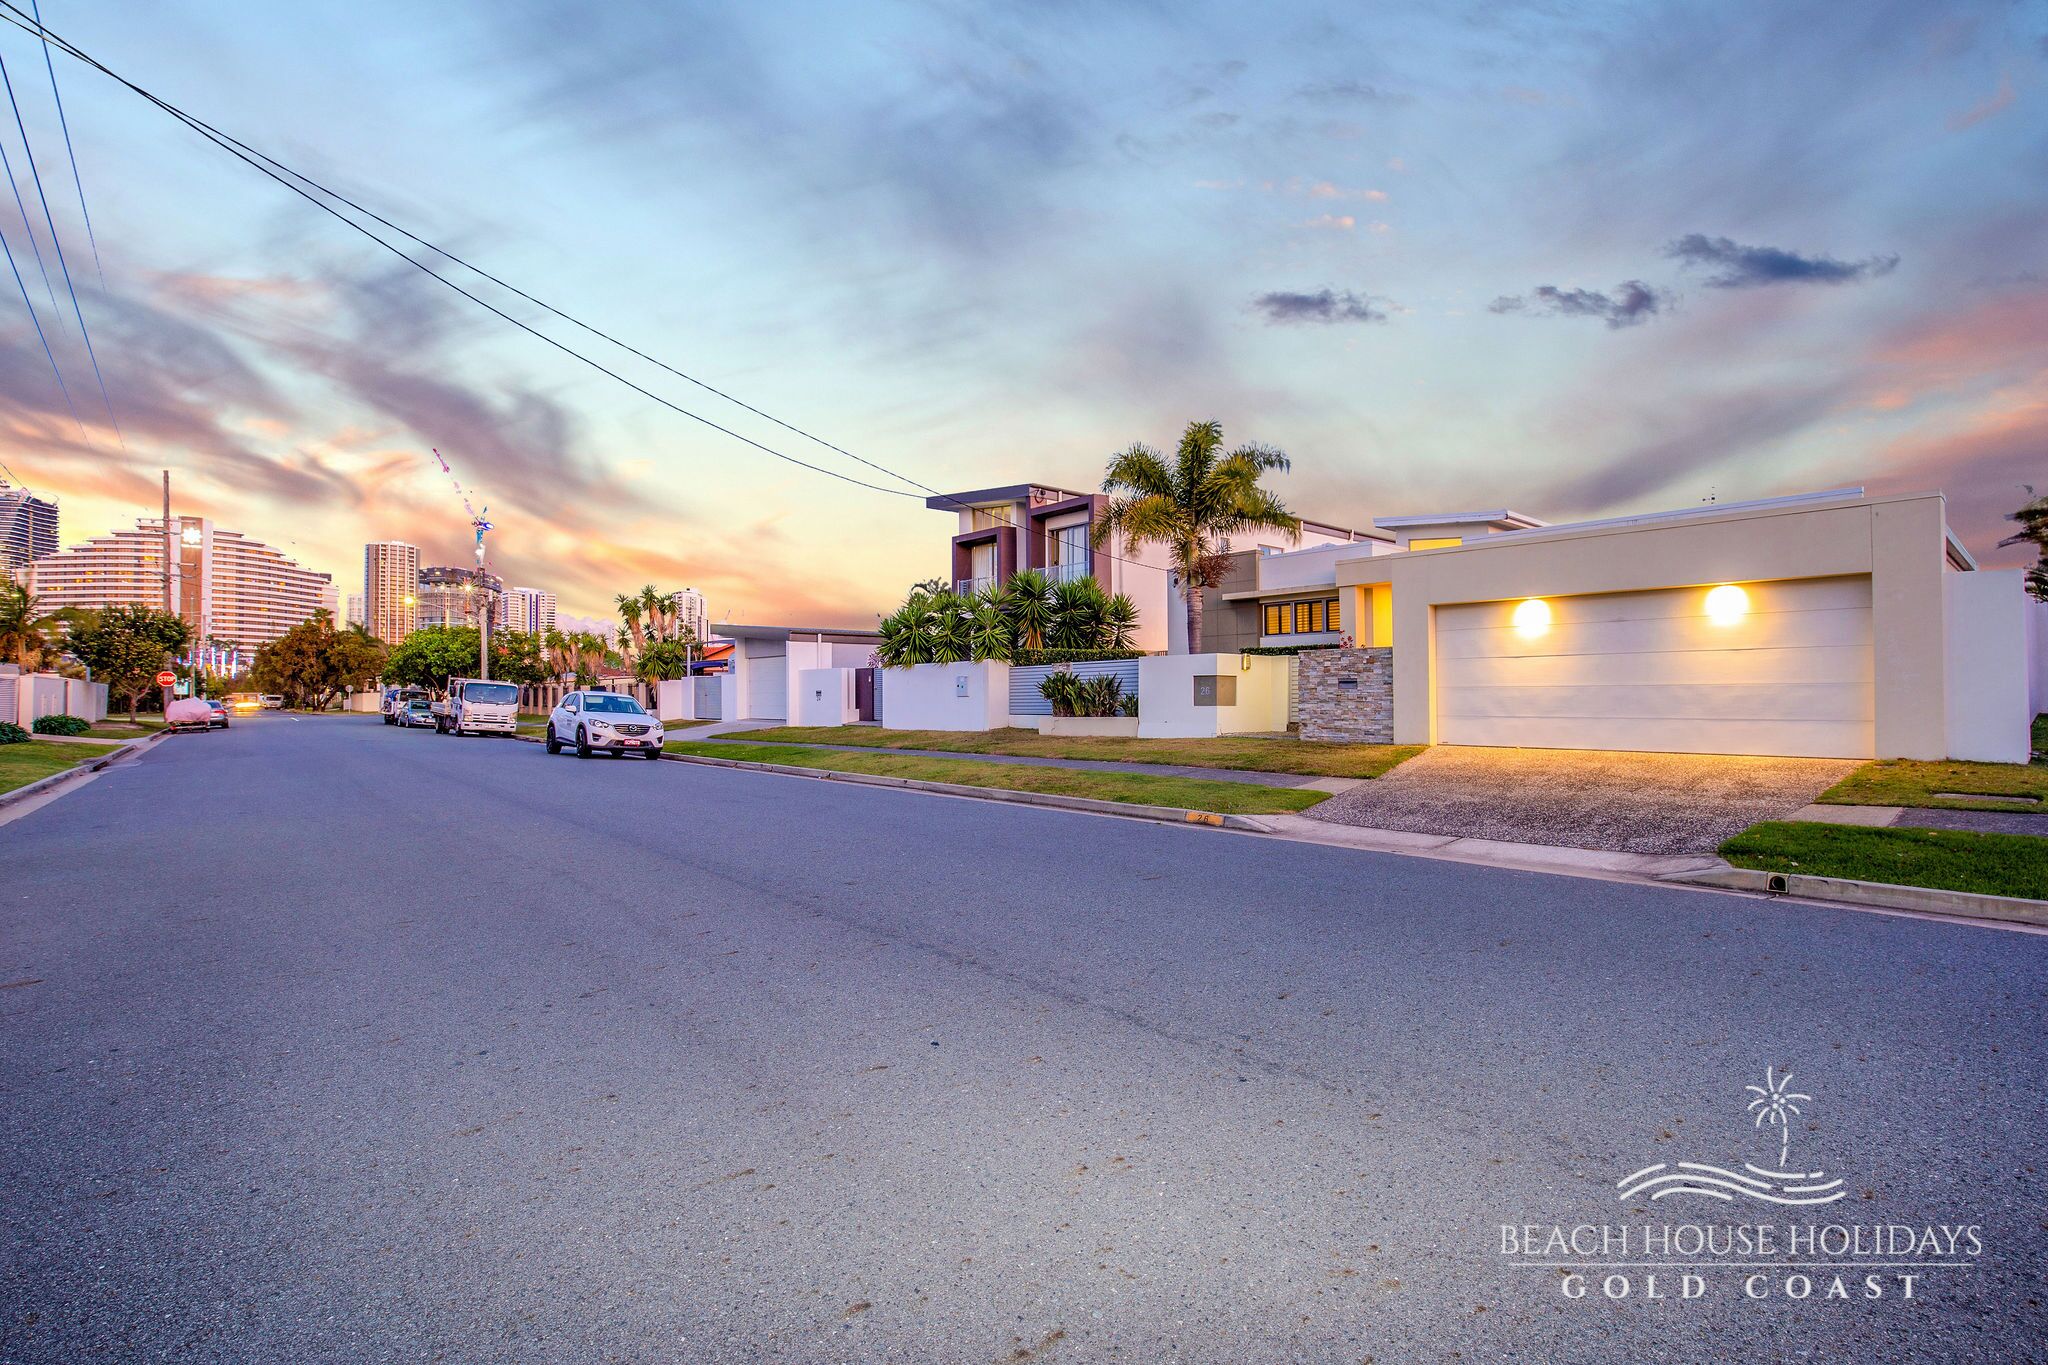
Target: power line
[52,356]
[7,165]
[278,171]
[71,152]
[58,242]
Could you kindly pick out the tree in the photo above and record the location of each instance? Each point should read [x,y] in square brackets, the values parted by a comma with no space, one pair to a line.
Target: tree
[667,658]
[125,646]
[311,663]
[577,655]
[2033,520]
[432,655]
[1028,612]
[1188,505]
[27,632]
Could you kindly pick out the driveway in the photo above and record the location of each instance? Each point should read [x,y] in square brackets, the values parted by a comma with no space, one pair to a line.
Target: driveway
[1630,803]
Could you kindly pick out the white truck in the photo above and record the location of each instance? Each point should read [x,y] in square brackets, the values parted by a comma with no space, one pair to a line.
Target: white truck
[475,706]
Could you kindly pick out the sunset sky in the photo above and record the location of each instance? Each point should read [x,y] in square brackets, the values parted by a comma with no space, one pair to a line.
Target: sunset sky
[1576,259]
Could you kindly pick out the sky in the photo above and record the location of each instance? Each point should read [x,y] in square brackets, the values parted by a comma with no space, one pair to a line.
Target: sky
[1573,259]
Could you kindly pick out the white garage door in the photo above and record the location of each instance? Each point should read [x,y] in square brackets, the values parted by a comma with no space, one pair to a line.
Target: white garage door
[1653,671]
[767,687]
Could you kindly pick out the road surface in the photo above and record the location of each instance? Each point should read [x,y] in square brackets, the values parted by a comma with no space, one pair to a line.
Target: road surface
[332,1042]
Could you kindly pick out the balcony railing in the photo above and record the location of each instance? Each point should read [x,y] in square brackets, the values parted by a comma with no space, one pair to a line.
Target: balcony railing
[1066,573]
[967,587]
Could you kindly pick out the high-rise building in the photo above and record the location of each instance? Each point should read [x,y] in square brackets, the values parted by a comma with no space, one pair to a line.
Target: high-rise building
[690,605]
[391,589]
[28,528]
[457,596]
[225,585]
[355,610]
[530,609]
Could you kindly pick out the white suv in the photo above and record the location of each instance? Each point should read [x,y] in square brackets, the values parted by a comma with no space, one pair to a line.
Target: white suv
[603,721]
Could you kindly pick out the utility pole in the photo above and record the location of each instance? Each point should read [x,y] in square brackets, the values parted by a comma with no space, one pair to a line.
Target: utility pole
[170,597]
[484,636]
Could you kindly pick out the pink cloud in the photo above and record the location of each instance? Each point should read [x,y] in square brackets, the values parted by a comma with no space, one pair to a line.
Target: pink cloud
[1992,106]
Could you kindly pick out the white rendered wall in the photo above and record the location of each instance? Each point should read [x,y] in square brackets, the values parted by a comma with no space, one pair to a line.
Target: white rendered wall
[1990,709]
[947,697]
[38,695]
[87,700]
[673,699]
[2037,655]
[823,696]
[1166,695]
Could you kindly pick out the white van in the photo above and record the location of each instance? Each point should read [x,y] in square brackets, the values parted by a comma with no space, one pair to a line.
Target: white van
[475,706]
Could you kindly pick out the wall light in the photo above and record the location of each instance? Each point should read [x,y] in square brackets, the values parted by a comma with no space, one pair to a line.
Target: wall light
[1727,604]
[1532,618]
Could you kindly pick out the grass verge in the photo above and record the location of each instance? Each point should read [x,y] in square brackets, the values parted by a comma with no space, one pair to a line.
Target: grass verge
[1147,789]
[21,764]
[119,728]
[1246,752]
[1914,782]
[1951,860]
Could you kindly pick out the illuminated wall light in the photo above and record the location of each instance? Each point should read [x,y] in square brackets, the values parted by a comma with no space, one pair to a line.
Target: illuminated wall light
[1727,604]
[1532,618]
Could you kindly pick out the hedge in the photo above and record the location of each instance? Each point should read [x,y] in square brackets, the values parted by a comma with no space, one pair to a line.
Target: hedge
[1284,649]
[1025,658]
[10,733]
[62,725]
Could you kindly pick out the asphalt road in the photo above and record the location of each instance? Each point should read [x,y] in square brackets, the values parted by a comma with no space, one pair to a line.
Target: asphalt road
[329,1042]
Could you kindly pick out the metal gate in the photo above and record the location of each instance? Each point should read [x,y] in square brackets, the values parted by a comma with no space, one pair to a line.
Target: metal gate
[864,693]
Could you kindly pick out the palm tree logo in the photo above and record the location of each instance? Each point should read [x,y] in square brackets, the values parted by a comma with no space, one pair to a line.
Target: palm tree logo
[1775,1104]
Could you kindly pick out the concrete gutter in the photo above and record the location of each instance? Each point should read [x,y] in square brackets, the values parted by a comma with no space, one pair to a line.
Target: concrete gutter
[1924,899]
[47,786]
[1170,815]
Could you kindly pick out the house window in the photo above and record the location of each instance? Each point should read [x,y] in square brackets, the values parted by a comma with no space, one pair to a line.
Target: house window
[1276,619]
[1301,618]
[1317,616]
[1436,542]
[1336,622]
[986,518]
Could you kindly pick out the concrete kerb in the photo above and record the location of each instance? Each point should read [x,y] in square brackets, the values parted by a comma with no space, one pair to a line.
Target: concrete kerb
[1702,871]
[43,786]
[1172,815]
[1842,890]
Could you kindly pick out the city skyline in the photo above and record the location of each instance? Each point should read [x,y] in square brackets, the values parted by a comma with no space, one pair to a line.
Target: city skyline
[1534,252]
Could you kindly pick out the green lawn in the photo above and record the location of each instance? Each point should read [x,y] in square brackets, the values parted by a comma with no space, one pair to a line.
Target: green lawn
[117,727]
[1229,751]
[1222,798]
[21,764]
[1953,860]
[1913,782]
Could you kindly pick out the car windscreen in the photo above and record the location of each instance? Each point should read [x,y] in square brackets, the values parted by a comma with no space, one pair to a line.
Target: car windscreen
[602,701]
[490,693]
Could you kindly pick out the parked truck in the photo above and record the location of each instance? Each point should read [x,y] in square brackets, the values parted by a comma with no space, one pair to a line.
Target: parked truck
[477,706]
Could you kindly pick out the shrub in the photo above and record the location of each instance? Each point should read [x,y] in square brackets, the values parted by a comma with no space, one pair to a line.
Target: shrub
[1286,649]
[936,625]
[1072,696]
[10,733]
[62,725]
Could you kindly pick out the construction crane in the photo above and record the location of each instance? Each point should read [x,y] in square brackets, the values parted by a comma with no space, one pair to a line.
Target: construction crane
[480,524]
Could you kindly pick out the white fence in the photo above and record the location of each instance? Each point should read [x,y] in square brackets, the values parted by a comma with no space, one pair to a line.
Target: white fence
[947,697]
[1027,700]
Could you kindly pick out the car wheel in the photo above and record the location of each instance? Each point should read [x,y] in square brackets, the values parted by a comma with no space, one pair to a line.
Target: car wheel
[582,743]
[554,745]
[654,752]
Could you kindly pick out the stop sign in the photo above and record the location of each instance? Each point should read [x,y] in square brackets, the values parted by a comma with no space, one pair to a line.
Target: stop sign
[166,678]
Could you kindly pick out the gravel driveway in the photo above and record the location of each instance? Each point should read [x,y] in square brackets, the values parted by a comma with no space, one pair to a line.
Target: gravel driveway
[1631,803]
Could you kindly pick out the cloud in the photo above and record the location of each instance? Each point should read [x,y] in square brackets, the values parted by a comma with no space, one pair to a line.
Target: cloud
[1325,305]
[1341,222]
[1992,106]
[1740,267]
[1326,189]
[1350,92]
[1632,302]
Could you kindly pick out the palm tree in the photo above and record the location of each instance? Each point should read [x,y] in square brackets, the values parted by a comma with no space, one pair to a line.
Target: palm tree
[1187,505]
[1774,1104]
[26,630]
[629,612]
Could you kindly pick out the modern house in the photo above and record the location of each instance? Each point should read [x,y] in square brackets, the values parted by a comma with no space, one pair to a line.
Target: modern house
[1833,624]
[1036,526]
[765,674]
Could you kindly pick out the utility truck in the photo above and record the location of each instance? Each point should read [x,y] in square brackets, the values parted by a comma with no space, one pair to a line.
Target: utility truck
[477,706]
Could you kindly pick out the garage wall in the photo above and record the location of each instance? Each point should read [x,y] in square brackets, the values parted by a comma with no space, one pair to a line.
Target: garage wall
[1650,671]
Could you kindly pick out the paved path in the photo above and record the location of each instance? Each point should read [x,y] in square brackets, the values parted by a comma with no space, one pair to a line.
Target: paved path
[333,1042]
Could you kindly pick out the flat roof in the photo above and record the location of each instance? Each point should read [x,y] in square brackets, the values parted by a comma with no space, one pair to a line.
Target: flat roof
[982,497]
[785,632]
[1500,516]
